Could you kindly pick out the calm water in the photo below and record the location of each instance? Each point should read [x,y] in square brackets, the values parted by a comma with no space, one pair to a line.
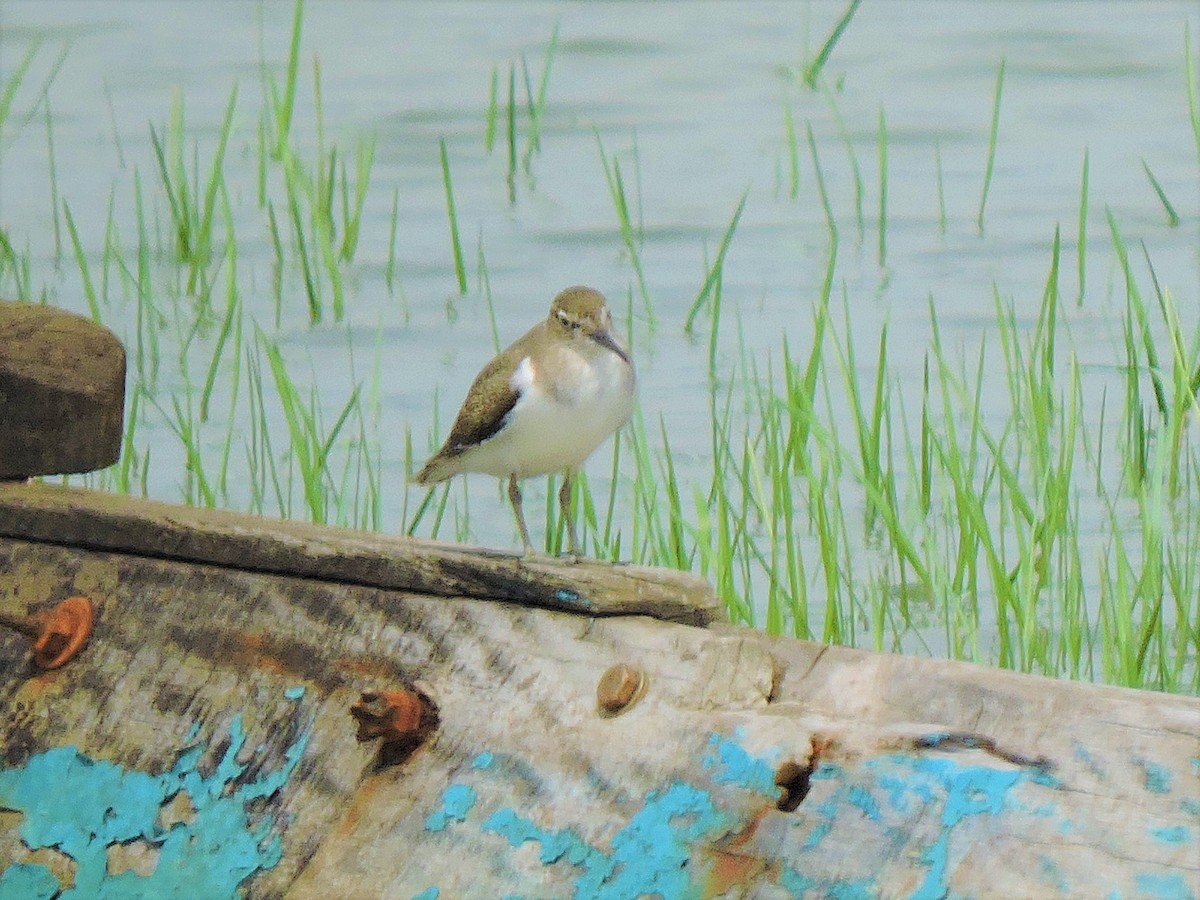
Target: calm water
[699,91]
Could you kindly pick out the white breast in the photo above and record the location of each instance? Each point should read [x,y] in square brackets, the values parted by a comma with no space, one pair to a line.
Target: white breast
[567,408]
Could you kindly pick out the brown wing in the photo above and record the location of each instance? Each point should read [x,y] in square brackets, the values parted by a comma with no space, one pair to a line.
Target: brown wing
[491,397]
[484,411]
[488,403]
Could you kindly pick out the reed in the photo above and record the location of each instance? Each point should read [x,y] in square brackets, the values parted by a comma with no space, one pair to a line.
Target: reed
[993,133]
[819,504]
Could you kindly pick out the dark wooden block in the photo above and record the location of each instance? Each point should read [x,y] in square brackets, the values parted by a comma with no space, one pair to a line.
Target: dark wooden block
[62,392]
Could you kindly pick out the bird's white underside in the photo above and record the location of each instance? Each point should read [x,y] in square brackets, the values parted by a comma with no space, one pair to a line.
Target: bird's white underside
[553,430]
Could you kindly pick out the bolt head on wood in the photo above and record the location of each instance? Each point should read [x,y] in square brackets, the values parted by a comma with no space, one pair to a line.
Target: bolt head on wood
[619,688]
[403,718]
[65,630]
[62,392]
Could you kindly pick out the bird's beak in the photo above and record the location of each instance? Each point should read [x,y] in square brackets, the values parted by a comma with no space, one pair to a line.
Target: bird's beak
[604,338]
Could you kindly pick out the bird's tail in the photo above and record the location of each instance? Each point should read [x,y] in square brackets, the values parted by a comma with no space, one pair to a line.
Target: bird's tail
[438,468]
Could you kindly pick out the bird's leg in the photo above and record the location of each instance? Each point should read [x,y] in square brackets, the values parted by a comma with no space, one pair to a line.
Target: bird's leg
[514,496]
[564,505]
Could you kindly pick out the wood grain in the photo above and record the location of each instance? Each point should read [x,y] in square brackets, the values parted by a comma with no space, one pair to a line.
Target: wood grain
[916,778]
[101,521]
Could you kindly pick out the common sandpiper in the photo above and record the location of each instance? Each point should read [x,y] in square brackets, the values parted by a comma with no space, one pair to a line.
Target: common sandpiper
[543,404]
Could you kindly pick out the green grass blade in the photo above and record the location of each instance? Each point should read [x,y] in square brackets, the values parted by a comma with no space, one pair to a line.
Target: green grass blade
[460,270]
[793,151]
[216,179]
[830,221]
[512,134]
[813,70]
[178,212]
[536,101]
[13,84]
[714,273]
[544,81]
[232,310]
[851,156]
[284,109]
[489,126]
[1172,216]
[991,155]
[89,289]
[1138,308]
[616,190]
[315,311]
[352,214]
[389,268]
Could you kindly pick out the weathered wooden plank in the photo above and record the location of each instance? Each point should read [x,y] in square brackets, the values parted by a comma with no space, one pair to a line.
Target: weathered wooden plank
[110,522]
[62,392]
[910,777]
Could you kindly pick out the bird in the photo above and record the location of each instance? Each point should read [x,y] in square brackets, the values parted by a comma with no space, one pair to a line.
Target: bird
[543,405]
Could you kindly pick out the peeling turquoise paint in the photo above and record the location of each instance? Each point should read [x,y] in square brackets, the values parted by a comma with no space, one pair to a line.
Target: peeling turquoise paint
[1044,778]
[1177,834]
[860,797]
[457,801]
[430,893]
[82,806]
[733,765]
[649,855]
[28,882]
[901,784]
[899,790]
[1191,806]
[1155,778]
[556,844]
[573,598]
[483,761]
[294,693]
[661,850]
[798,885]
[1052,874]
[1163,887]
[826,811]
[969,791]
[1085,756]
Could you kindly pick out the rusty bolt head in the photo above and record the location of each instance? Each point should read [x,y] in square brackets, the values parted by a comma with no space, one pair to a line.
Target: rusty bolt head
[403,718]
[619,689]
[65,629]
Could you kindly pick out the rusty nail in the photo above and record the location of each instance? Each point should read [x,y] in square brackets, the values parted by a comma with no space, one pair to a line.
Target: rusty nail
[403,718]
[58,634]
[619,688]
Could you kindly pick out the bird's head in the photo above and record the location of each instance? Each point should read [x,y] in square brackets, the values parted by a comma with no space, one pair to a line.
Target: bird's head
[581,313]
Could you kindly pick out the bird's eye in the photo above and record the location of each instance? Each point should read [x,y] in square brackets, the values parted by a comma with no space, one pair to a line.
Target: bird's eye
[567,321]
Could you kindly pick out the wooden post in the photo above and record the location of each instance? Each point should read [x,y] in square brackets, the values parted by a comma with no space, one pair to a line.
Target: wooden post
[62,392]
